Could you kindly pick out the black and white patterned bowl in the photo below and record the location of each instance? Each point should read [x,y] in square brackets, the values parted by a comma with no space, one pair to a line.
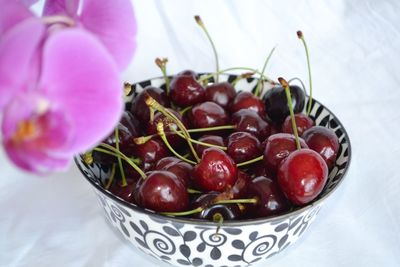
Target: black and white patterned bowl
[185,242]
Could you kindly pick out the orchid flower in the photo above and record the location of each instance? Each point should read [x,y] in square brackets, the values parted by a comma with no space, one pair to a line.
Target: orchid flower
[60,92]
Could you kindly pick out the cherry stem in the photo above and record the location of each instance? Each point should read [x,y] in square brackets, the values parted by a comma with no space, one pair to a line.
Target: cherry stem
[162,64]
[208,76]
[301,83]
[300,35]
[121,168]
[218,218]
[193,191]
[285,85]
[88,158]
[161,133]
[203,27]
[199,142]
[249,161]
[183,111]
[239,201]
[260,84]
[58,19]
[123,156]
[183,213]
[242,76]
[127,88]
[154,104]
[111,179]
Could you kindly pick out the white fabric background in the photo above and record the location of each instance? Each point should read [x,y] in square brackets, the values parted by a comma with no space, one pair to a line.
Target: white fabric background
[354,47]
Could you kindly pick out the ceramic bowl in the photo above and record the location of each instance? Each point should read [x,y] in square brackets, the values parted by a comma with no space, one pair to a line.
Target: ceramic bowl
[186,242]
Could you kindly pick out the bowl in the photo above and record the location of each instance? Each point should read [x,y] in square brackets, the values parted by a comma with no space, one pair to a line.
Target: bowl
[186,242]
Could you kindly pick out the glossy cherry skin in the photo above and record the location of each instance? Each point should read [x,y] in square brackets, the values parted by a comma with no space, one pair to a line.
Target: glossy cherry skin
[324,141]
[277,148]
[210,139]
[270,199]
[162,191]
[302,176]
[131,122]
[243,146]
[173,139]
[215,172]
[125,192]
[178,167]
[221,93]
[186,91]
[276,102]
[249,121]
[303,122]
[188,73]
[139,107]
[246,100]
[151,152]
[239,190]
[211,211]
[208,114]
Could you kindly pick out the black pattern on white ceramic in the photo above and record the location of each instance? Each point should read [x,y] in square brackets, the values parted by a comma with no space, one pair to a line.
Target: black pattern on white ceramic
[188,242]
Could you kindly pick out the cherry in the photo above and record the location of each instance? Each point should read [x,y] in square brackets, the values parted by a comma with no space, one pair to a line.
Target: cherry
[125,192]
[249,121]
[243,146]
[139,107]
[303,123]
[173,139]
[150,152]
[270,200]
[302,176]
[246,100]
[162,191]
[276,103]
[188,73]
[324,141]
[221,93]
[214,212]
[239,190]
[210,139]
[178,167]
[131,122]
[186,91]
[215,172]
[277,148]
[208,114]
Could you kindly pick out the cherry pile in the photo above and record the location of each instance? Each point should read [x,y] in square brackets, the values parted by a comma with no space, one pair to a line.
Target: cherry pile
[201,149]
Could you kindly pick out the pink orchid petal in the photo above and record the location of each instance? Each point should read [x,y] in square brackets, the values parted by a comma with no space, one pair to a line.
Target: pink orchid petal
[80,78]
[12,13]
[61,7]
[28,3]
[19,58]
[113,22]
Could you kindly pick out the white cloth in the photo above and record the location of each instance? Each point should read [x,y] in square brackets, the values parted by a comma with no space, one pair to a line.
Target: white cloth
[355,55]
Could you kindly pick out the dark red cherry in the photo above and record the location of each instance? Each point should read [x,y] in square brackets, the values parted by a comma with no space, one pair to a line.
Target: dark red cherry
[239,189]
[215,172]
[173,139]
[188,73]
[276,102]
[214,212]
[150,152]
[139,108]
[303,122]
[178,167]
[210,139]
[221,93]
[324,141]
[131,122]
[270,199]
[246,100]
[249,121]
[162,191]
[277,148]
[186,91]
[302,176]
[125,192]
[208,114]
[243,146]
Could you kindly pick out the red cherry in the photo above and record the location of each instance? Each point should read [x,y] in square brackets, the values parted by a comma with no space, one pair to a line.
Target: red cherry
[188,73]
[303,122]
[239,190]
[215,172]
[173,139]
[178,167]
[227,211]
[186,91]
[243,146]
[162,191]
[324,141]
[270,199]
[208,114]
[125,192]
[209,139]
[246,100]
[150,152]
[249,121]
[221,93]
[277,148]
[302,176]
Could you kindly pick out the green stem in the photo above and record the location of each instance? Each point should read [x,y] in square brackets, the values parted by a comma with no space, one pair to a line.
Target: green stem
[198,142]
[208,76]
[123,156]
[218,218]
[250,161]
[121,168]
[183,111]
[238,201]
[111,179]
[301,37]
[193,191]
[183,213]
[258,91]
[215,128]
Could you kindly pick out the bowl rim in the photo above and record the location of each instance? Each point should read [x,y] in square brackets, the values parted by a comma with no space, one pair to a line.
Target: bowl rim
[232,223]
